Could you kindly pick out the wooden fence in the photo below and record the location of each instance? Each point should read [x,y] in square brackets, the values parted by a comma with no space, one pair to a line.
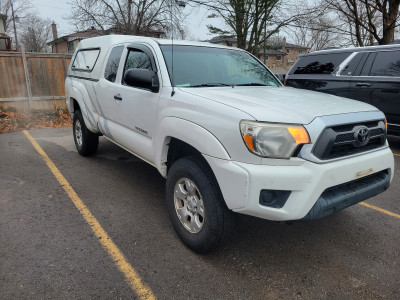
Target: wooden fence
[33,80]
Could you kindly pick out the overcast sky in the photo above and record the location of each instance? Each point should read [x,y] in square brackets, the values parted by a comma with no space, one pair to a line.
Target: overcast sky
[58,10]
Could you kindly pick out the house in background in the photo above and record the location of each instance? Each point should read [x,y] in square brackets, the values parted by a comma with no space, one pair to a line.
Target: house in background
[68,43]
[5,40]
[279,57]
[274,59]
[282,57]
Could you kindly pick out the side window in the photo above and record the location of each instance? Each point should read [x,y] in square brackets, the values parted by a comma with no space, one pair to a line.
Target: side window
[368,64]
[351,67]
[112,64]
[386,63]
[85,60]
[137,59]
[320,64]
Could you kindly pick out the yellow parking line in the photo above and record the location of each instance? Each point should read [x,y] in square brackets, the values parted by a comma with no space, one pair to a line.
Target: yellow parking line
[381,210]
[396,154]
[136,283]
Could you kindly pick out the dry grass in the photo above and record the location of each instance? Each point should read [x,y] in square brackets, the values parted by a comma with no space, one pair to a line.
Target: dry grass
[12,120]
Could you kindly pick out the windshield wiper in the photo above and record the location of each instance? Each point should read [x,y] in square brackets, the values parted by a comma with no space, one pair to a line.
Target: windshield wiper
[211,84]
[251,84]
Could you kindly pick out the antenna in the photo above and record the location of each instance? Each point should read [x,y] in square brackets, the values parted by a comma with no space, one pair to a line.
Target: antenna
[180,4]
[172,66]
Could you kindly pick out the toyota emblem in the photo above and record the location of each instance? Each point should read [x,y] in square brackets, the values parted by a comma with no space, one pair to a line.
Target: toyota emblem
[362,136]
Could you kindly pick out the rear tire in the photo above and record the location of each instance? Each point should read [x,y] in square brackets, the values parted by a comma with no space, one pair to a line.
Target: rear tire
[86,142]
[196,207]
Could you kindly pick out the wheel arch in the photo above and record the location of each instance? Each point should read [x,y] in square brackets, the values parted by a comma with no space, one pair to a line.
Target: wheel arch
[178,138]
[75,100]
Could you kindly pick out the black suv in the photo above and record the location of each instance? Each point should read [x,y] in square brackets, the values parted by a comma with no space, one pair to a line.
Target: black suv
[369,74]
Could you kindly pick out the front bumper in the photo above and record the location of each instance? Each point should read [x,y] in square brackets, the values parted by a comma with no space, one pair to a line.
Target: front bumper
[242,183]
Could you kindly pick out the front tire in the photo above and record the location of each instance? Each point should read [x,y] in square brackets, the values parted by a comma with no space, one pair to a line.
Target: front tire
[86,142]
[196,207]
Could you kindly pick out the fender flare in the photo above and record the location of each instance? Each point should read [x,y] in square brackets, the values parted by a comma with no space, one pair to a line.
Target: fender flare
[193,134]
[88,114]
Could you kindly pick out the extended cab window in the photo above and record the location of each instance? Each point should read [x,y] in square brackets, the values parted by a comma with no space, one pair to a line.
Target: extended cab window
[112,64]
[85,59]
[320,64]
[386,63]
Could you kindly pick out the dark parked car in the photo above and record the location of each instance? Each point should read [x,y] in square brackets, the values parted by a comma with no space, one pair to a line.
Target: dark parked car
[369,74]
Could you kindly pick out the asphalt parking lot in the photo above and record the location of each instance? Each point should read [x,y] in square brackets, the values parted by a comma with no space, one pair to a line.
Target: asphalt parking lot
[50,251]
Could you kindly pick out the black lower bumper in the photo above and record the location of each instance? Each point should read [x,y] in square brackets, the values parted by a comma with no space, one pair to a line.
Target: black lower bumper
[341,196]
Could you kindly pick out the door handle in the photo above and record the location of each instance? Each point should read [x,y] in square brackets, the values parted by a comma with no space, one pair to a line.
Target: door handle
[363,84]
[118,97]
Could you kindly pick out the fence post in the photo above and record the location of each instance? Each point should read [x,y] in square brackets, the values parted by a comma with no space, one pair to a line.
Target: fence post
[27,81]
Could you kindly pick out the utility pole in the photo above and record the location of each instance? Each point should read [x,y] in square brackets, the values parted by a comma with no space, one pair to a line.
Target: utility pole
[15,30]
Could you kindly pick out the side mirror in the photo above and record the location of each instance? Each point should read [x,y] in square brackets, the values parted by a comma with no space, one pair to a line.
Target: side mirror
[140,78]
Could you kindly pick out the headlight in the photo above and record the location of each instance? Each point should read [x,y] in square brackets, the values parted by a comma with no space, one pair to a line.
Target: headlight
[273,139]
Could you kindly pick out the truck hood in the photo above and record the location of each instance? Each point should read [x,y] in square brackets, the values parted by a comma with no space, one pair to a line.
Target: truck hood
[280,104]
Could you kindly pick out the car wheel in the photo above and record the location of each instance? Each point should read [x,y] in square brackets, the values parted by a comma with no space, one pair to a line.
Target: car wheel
[86,142]
[196,207]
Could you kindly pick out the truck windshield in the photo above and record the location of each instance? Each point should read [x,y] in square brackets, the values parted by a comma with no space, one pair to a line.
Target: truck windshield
[196,66]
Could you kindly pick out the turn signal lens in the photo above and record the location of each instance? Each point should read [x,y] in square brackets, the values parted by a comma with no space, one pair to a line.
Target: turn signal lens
[249,142]
[386,124]
[299,134]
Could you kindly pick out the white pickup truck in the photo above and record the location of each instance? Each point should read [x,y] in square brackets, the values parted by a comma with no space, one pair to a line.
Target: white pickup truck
[225,133]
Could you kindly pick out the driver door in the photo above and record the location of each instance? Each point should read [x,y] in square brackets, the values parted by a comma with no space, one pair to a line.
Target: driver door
[132,121]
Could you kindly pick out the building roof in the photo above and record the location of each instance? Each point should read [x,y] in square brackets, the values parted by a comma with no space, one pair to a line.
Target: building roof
[219,39]
[289,45]
[78,35]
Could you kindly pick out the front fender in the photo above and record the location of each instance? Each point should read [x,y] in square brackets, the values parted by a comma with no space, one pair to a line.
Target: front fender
[193,134]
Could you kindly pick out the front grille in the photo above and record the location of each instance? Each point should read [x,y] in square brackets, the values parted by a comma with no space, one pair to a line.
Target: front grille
[349,127]
[343,140]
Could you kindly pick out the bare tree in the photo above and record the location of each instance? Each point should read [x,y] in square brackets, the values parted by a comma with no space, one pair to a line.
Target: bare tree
[252,21]
[367,20]
[315,32]
[21,7]
[137,17]
[35,33]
